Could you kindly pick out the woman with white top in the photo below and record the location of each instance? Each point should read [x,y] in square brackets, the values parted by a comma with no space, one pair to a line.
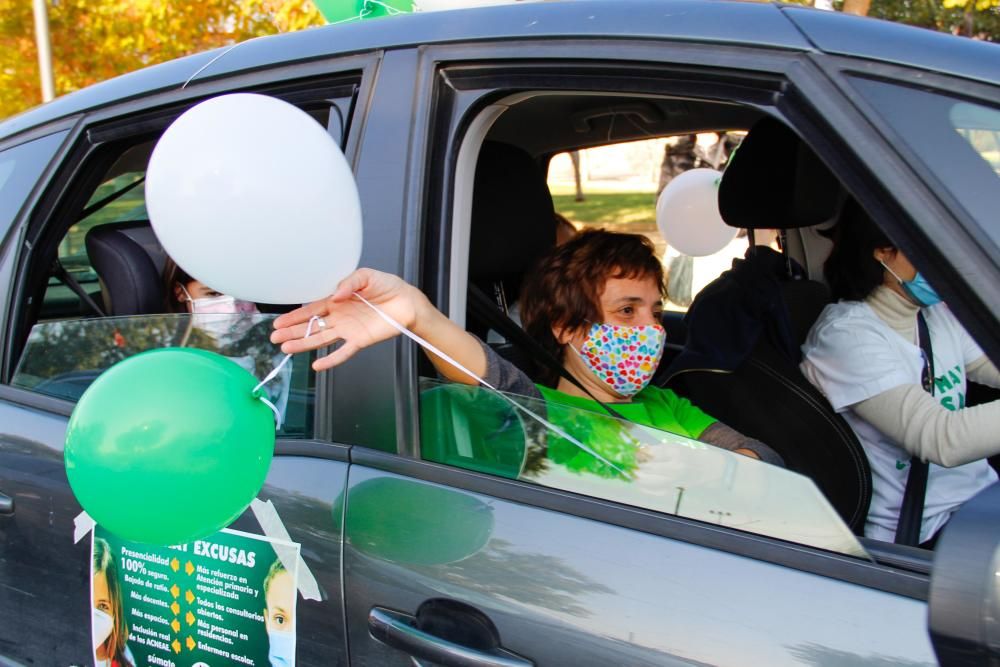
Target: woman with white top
[864,353]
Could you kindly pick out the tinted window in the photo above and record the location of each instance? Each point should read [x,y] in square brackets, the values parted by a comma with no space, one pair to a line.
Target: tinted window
[613,459]
[62,358]
[20,168]
[959,141]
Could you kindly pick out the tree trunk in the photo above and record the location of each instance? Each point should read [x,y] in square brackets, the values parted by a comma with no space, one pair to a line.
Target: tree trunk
[859,7]
[575,157]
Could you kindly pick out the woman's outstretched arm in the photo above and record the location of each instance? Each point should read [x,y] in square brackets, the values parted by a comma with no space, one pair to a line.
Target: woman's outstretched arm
[355,325]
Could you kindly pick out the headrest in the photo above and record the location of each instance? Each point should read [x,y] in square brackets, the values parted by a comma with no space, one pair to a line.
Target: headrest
[775,181]
[513,220]
[129,261]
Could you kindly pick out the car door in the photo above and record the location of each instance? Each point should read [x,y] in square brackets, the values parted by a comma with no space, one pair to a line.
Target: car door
[451,561]
[45,557]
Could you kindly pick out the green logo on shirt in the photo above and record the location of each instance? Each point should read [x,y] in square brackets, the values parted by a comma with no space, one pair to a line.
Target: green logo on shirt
[901,464]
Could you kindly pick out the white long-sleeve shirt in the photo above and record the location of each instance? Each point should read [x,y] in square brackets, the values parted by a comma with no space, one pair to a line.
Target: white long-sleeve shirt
[865,357]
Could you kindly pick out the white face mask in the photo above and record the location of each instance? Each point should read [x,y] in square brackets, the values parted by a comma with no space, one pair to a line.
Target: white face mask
[222,304]
[103,622]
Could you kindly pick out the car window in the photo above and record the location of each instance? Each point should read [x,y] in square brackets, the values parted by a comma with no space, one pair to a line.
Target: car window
[20,168]
[477,429]
[956,139]
[117,200]
[62,358]
[615,187]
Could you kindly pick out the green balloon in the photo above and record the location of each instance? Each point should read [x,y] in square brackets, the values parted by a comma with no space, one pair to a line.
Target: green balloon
[338,11]
[169,446]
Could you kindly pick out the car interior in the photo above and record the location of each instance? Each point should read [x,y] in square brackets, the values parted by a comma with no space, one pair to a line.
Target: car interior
[104,261]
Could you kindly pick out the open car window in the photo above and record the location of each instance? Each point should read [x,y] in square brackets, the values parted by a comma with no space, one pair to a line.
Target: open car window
[63,358]
[616,186]
[476,429]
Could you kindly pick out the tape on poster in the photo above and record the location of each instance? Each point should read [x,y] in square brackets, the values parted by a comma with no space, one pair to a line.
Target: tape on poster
[271,524]
[82,525]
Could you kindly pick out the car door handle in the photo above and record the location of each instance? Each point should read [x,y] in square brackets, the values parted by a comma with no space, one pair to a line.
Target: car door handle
[396,630]
[6,504]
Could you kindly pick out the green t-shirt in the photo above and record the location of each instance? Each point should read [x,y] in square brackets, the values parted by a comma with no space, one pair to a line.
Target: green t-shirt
[658,408]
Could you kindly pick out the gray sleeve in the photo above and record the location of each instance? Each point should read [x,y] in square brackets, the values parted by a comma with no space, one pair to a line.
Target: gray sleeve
[507,377]
[720,435]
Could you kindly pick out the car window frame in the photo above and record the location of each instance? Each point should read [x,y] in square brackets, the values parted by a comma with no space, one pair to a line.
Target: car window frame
[138,116]
[453,117]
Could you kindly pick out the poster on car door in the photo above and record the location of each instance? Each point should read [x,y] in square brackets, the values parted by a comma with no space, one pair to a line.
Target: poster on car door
[228,599]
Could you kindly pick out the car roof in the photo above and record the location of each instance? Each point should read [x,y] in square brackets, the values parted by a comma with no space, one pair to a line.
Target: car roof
[746,23]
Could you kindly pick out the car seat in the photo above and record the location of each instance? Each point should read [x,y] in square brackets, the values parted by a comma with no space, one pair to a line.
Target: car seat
[129,261]
[754,385]
[513,225]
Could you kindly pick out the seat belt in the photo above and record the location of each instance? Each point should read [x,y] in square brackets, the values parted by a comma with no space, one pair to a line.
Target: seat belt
[911,512]
[508,328]
[60,272]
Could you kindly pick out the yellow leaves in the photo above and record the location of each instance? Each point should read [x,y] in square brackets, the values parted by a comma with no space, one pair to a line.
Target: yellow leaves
[978,5]
[93,40]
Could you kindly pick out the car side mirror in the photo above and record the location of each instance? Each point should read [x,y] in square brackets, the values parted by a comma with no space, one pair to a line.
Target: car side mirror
[965,584]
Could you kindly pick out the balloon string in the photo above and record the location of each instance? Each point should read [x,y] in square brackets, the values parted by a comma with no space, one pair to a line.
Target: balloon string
[431,348]
[274,373]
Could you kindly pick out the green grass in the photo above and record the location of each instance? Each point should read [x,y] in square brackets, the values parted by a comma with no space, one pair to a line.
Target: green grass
[622,211]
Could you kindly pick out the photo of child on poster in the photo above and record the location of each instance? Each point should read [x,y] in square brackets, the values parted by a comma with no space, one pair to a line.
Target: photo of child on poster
[226,599]
[109,630]
[279,614]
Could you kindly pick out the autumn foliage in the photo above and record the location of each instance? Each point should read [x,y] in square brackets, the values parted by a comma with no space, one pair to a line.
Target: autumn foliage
[93,40]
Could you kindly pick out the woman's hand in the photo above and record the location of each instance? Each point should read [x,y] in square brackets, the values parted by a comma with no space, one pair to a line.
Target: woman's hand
[346,318]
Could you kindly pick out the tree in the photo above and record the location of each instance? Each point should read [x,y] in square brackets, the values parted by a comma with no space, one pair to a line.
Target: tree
[972,18]
[93,40]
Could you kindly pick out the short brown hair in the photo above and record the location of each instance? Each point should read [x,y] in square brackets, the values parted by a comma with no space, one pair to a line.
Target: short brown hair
[564,289]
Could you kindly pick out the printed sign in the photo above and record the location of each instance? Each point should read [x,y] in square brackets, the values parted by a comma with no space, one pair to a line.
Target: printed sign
[225,600]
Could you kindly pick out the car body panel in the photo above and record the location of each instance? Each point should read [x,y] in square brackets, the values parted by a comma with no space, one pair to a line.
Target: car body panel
[847,35]
[566,590]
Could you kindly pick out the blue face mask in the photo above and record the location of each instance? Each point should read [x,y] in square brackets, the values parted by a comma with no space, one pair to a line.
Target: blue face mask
[282,651]
[919,289]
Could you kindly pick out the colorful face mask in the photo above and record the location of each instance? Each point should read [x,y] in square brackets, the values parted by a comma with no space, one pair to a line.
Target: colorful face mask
[623,357]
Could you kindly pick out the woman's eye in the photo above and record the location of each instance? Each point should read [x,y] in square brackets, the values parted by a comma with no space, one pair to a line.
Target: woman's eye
[279,619]
[627,310]
[104,606]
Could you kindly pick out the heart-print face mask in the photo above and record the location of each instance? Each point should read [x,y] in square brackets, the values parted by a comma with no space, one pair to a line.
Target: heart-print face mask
[623,357]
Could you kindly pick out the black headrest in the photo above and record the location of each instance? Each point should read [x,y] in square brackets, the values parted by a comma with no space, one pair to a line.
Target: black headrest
[513,219]
[129,261]
[775,181]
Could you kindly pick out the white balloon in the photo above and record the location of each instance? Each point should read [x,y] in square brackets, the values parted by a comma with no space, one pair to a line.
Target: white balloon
[251,196]
[687,214]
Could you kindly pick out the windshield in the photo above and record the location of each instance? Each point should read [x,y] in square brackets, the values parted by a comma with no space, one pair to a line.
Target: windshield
[957,140]
[475,428]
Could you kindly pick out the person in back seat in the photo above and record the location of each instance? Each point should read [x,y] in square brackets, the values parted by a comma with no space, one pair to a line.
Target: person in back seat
[184,294]
[864,353]
[594,302]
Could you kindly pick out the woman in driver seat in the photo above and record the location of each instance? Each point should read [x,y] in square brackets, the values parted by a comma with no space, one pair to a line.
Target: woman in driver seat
[594,302]
[865,354]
